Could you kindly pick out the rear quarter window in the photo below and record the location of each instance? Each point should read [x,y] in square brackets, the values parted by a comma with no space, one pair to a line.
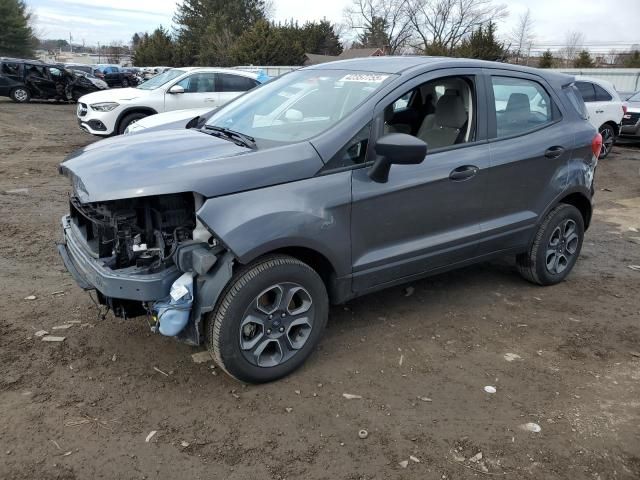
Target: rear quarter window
[575,99]
[601,94]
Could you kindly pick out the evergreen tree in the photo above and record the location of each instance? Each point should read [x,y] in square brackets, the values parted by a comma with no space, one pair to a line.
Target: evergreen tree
[155,49]
[320,38]
[16,36]
[583,60]
[374,36]
[267,44]
[482,44]
[633,60]
[547,60]
[135,40]
[201,22]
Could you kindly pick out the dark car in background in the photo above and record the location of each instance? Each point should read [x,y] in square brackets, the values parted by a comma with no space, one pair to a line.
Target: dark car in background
[116,76]
[630,127]
[23,80]
[325,184]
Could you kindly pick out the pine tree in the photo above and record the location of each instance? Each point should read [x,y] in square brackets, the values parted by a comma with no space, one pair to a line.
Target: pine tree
[267,44]
[583,60]
[633,60]
[16,36]
[374,36]
[200,22]
[155,49]
[547,60]
[320,38]
[483,44]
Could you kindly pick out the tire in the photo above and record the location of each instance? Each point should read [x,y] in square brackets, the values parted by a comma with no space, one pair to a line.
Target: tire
[128,120]
[608,139]
[20,95]
[559,237]
[263,352]
[125,83]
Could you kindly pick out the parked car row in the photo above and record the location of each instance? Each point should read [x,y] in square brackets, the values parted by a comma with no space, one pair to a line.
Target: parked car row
[322,185]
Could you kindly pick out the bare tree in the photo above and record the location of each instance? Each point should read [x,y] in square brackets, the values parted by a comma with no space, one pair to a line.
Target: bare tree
[522,37]
[115,52]
[368,15]
[573,44]
[441,25]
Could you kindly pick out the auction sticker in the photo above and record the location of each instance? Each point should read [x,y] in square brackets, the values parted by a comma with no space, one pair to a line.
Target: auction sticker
[364,77]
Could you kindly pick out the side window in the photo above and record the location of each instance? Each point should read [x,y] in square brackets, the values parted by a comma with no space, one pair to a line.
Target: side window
[587,91]
[520,105]
[573,94]
[441,112]
[601,94]
[353,153]
[199,83]
[10,69]
[235,83]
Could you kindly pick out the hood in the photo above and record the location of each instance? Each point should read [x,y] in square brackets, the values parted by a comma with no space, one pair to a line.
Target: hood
[175,161]
[114,95]
[170,117]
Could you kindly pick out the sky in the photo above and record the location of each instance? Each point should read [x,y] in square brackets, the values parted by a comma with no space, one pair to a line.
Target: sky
[108,20]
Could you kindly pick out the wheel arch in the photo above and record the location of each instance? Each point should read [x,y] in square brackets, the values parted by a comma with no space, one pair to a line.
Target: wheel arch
[127,111]
[612,124]
[582,203]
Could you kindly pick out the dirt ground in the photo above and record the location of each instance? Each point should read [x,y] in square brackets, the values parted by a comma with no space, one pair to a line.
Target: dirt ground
[419,358]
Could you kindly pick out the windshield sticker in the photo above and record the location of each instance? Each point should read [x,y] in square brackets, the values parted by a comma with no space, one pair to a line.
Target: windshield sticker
[364,77]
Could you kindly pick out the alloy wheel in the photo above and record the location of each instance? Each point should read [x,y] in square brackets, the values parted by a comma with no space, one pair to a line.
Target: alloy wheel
[607,140]
[277,324]
[562,247]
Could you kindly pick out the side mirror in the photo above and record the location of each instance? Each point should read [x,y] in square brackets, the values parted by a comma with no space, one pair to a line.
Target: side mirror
[292,115]
[399,149]
[176,89]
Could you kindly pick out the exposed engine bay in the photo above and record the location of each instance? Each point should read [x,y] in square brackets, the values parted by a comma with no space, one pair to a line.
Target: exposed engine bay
[140,232]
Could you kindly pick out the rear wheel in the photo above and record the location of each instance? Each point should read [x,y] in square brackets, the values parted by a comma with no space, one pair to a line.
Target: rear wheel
[268,320]
[555,248]
[608,138]
[20,95]
[130,119]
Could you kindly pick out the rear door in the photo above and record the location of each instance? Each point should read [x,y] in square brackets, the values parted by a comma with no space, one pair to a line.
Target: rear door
[10,76]
[530,147]
[199,92]
[229,86]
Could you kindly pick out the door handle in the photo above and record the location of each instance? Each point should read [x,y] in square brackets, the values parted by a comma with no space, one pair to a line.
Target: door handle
[463,173]
[554,152]
[209,99]
[599,111]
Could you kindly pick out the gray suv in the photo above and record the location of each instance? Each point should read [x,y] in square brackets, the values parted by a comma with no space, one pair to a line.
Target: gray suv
[325,184]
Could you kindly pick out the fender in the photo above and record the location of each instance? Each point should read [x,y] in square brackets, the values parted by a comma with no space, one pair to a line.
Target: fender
[581,190]
[314,213]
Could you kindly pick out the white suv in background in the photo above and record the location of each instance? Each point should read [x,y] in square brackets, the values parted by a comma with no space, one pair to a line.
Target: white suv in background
[605,108]
[110,112]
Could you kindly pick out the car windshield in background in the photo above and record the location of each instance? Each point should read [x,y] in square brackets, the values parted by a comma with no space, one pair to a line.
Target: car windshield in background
[298,106]
[161,79]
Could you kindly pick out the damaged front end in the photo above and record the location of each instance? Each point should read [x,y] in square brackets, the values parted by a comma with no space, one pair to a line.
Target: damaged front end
[147,256]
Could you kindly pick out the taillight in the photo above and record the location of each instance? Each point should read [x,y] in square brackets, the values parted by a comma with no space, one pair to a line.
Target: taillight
[596,145]
[624,109]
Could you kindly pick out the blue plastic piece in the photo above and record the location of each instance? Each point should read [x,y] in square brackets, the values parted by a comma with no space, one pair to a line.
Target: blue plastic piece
[173,312]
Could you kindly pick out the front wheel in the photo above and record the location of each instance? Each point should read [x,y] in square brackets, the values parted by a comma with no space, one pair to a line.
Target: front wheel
[608,138]
[268,320]
[125,83]
[555,248]
[130,120]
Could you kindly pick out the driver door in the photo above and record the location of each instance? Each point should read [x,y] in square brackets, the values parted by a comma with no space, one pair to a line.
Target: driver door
[425,216]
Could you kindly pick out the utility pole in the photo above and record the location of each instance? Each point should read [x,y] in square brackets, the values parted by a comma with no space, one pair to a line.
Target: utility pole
[99,53]
[70,44]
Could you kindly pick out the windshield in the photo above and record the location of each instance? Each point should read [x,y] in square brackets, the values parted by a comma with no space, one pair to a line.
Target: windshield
[299,105]
[161,79]
[635,97]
